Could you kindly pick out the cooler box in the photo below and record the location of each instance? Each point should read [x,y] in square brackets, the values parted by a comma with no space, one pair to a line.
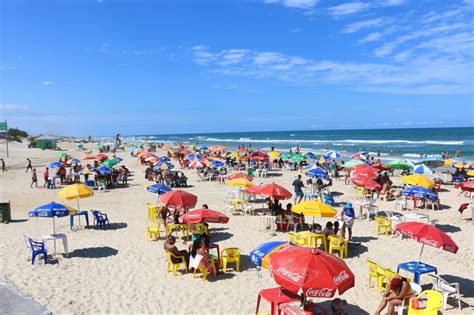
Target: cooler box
[5,212]
[282,225]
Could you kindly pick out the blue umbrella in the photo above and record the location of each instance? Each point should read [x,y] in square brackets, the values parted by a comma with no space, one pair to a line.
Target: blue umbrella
[164,158]
[158,189]
[55,165]
[75,161]
[191,157]
[118,158]
[263,250]
[317,173]
[104,170]
[163,165]
[423,169]
[204,148]
[419,192]
[332,155]
[311,155]
[216,164]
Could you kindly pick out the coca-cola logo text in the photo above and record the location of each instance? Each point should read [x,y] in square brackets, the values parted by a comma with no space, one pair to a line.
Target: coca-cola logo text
[429,242]
[290,275]
[341,277]
[323,293]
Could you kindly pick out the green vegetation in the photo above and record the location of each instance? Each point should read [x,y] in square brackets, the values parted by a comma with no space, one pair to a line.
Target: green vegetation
[15,132]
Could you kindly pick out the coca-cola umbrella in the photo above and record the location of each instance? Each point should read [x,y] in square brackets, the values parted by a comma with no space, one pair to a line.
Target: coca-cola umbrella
[259,155]
[467,186]
[240,175]
[205,216]
[366,182]
[316,273]
[426,234]
[273,190]
[177,199]
[366,170]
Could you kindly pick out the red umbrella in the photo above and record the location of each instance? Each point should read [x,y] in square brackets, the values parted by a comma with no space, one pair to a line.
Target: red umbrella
[380,167]
[259,155]
[427,234]
[178,198]
[358,156]
[101,156]
[88,157]
[366,170]
[205,215]
[272,190]
[317,273]
[366,182]
[467,186]
[240,175]
[252,190]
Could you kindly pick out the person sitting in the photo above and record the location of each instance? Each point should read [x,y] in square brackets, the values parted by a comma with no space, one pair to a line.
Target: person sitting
[200,256]
[398,290]
[170,247]
[328,230]
[337,306]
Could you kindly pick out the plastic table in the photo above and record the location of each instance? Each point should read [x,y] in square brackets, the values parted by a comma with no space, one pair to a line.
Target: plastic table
[83,213]
[294,308]
[276,297]
[364,203]
[265,221]
[312,239]
[416,217]
[54,237]
[417,268]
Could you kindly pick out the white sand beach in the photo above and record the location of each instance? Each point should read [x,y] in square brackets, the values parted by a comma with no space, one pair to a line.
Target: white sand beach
[119,271]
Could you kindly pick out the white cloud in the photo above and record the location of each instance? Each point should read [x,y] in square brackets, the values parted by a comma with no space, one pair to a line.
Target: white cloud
[268,57]
[348,8]
[299,4]
[357,26]
[46,83]
[11,108]
[372,37]
[390,3]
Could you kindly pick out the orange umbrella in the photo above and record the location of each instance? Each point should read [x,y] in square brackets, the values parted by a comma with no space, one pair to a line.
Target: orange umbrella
[166,147]
[88,157]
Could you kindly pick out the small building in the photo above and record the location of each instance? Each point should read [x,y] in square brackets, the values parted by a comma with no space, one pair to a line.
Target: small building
[46,142]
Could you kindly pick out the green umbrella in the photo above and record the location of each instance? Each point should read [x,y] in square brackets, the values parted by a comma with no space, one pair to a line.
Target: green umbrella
[192,146]
[111,162]
[399,164]
[298,157]
[62,154]
[176,147]
[286,155]
[352,163]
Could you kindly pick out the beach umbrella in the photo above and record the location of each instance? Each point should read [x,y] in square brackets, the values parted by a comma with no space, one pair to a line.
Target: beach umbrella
[317,173]
[159,189]
[274,191]
[379,167]
[430,161]
[197,163]
[418,180]
[101,157]
[366,170]
[469,164]
[399,164]
[240,182]
[75,191]
[62,154]
[260,255]
[316,273]
[164,165]
[118,158]
[88,157]
[426,234]
[422,169]
[322,160]
[104,170]
[358,156]
[470,173]
[367,183]
[240,175]
[110,163]
[467,186]
[332,155]
[73,161]
[154,160]
[352,163]
[274,154]
[315,208]
[311,155]
[419,192]
[205,216]
[55,165]
[216,163]
[177,199]
[286,156]
[86,170]
[52,210]
[166,147]
[298,157]
[192,157]
[233,155]
[164,158]
[204,148]
[259,155]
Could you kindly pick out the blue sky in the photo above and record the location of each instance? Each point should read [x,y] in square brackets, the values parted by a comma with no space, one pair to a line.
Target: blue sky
[151,67]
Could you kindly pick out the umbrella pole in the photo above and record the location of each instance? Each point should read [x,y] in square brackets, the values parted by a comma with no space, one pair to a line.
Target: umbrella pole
[54,234]
[421,252]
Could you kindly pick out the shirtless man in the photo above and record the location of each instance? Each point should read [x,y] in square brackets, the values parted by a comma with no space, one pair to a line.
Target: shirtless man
[170,247]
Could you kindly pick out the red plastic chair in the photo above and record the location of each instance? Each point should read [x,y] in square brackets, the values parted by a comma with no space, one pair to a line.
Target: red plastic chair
[276,296]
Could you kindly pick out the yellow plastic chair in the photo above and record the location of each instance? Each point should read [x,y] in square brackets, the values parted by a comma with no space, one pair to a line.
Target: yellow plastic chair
[337,243]
[433,304]
[389,275]
[383,223]
[204,271]
[295,239]
[152,211]
[153,230]
[230,255]
[175,227]
[360,192]
[377,272]
[176,265]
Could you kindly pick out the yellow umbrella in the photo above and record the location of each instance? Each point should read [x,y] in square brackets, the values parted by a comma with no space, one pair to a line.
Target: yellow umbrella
[315,208]
[458,165]
[75,191]
[240,182]
[470,173]
[274,154]
[86,170]
[234,155]
[418,180]
[448,162]
[469,165]
[321,160]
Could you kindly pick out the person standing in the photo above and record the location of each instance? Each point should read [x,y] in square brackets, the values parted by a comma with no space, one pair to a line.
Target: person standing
[29,167]
[298,187]
[4,167]
[46,177]
[349,218]
[34,179]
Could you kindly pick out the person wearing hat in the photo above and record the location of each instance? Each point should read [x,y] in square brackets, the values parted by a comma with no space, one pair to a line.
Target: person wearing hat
[398,290]
[349,218]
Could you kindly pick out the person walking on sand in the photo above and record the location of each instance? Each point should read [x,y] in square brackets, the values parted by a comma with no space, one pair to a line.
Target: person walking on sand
[46,177]
[34,179]
[29,167]
[4,167]
[298,186]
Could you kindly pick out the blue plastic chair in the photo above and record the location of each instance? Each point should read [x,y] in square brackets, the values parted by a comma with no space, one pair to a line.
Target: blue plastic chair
[329,199]
[100,219]
[37,248]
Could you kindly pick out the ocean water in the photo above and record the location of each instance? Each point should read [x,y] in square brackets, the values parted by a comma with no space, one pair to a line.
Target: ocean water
[392,143]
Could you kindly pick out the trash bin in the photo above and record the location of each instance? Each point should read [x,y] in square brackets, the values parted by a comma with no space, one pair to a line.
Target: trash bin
[5,212]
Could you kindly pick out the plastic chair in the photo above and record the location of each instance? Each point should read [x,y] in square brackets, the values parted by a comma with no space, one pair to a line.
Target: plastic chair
[152,211]
[249,209]
[447,289]
[100,219]
[295,239]
[377,272]
[329,199]
[401,204]
[389,275]
[175,227]
[229,255]
[182,261]
[337,243]
[360,192]
[371,209]
[383,223]
[433,304]
[416,289]
[100,184]
[250,172]
[204,271]
[153,230]
[291,221]
[38,248]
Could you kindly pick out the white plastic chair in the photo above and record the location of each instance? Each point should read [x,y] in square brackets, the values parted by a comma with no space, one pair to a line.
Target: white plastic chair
[371,209]
[447,289]
[249,209]
[401,204]
[291,221]
[28,247]
[264,172]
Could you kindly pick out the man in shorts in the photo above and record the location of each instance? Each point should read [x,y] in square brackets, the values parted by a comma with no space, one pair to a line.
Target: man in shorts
[349,218]
[298,186]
